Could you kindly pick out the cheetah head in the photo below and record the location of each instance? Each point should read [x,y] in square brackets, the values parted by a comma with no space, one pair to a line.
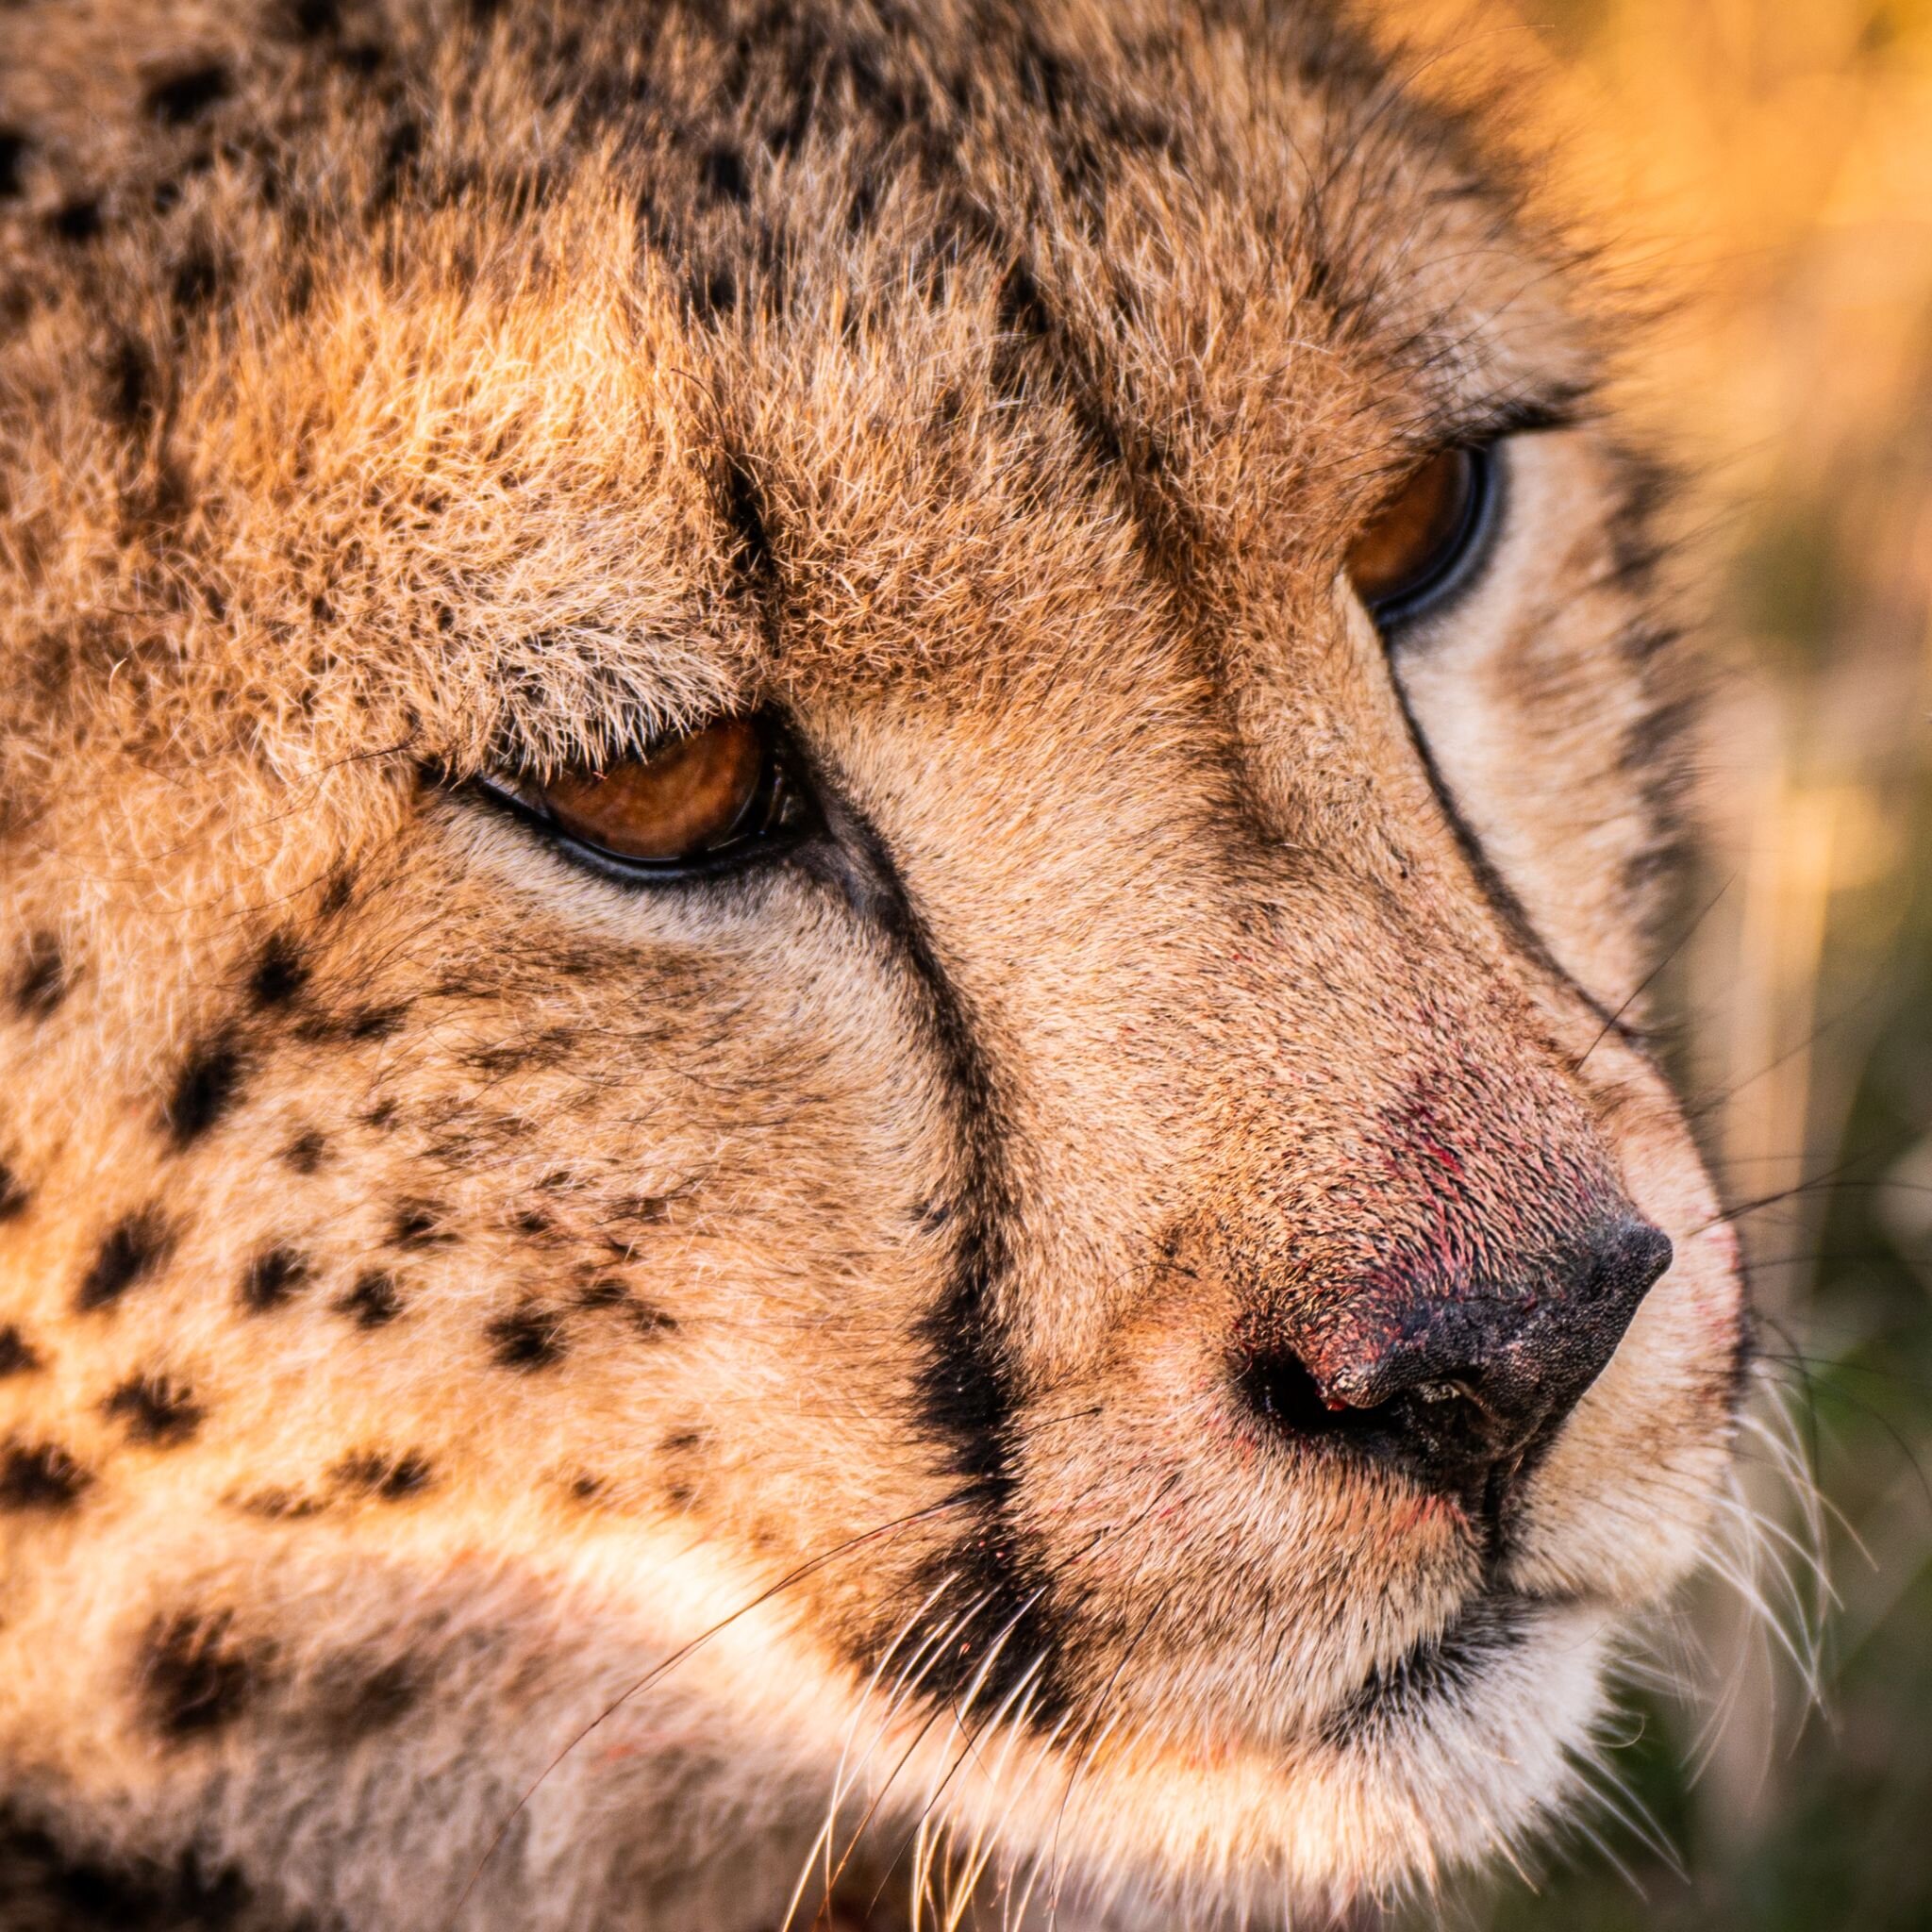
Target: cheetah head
[826,845]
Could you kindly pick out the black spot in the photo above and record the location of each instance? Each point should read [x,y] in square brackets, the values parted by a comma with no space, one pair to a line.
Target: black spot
[155,1409]
[16,1358]
[682,1442]
[373,1301]
[353,1699]
[712,293]
[133,1248]
[588,1488]
[130,386]
[280,1506]
[195,279]
[606,1291]
[400,145]
[1021,308]
[316,20]
[280,973]
[373,1023]
[1046,80]
[724,175]
[272,1278]
[178,98]
[744,516]
[13,1197]
[337,891]
[42,982]
[403,144]
[390,1477]
[305,1152]
[547,1046]
[532,1222]
[527,1338]
[12,146]
[40,1476]
[207,1086]
[420,1224]
[60,1892]
[194,1676]
[76,220]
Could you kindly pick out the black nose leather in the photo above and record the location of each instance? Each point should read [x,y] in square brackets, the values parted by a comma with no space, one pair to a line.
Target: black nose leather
[1458,1382]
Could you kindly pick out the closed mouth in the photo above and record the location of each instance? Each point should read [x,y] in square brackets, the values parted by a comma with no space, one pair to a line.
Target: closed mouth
[1438,1669]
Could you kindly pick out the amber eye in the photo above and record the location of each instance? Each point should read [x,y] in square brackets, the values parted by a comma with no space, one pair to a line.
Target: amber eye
[1425,542]
[699,799]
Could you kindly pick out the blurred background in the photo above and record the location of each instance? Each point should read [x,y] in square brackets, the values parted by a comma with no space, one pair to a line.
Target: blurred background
[1768,166]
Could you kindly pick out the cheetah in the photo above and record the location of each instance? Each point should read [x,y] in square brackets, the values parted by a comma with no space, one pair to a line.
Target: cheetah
[831,833]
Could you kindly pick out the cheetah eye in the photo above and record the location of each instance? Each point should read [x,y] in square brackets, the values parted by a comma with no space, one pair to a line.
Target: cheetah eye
[1427,543]
[702,801]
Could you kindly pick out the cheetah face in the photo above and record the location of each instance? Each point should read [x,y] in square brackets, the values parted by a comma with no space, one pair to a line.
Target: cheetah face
[827,847]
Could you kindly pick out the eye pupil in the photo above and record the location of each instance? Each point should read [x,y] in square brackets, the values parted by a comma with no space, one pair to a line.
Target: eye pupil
[1415,550]
[689,796]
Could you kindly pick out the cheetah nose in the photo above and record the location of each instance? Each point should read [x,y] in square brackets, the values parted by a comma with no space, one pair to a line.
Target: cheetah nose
[1462,1382]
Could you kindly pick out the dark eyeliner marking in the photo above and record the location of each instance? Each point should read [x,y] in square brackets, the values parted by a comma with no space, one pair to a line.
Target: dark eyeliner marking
[1497,890]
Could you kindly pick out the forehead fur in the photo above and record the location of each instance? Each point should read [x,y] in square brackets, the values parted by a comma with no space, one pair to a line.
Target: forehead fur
[582,371]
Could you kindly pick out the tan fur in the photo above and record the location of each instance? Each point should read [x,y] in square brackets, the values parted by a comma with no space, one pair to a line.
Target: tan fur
[393,393]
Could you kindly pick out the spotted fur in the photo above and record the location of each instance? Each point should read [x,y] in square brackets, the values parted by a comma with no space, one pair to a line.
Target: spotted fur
[530,1403]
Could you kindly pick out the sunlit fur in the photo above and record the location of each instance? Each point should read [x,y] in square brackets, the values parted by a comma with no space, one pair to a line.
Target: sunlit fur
[532,1404]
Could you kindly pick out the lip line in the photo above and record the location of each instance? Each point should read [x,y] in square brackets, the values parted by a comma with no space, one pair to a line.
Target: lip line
[1488,1624]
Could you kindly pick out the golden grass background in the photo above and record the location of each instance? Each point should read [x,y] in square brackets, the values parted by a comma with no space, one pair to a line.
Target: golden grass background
[1762,171]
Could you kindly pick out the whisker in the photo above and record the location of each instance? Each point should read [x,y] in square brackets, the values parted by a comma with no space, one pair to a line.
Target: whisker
[925,1658]
[959,1715]
[793,1576]
[1613,1022]
[840,1784]
[1092,1747]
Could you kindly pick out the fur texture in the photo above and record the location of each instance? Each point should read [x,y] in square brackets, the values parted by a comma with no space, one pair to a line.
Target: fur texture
[532,1404]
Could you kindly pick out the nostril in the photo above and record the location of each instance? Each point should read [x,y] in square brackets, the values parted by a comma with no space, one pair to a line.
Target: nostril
[1278,1386]
[1439,1432]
